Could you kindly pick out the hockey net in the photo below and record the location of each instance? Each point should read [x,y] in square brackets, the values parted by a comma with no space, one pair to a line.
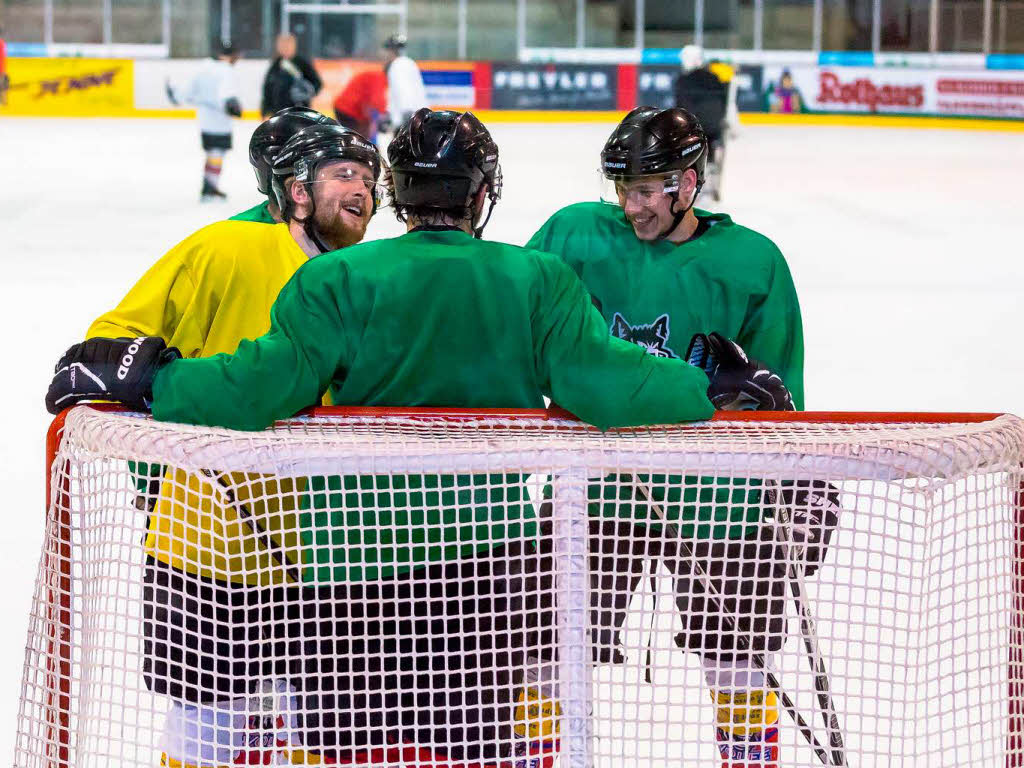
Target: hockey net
[402,587]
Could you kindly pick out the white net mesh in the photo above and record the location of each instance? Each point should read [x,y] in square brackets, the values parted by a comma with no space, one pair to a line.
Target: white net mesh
[520,592]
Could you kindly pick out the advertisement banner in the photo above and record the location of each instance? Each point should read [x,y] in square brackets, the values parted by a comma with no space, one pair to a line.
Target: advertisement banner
[449,83]
[554,86]
[871,90]
[69,87]
[656,86]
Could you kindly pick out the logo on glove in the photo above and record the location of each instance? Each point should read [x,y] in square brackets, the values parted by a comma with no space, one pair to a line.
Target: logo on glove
[128,359]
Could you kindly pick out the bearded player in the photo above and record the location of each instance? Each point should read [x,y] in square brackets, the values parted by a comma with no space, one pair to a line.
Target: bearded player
[435,317]
[204,296]
[266,141]
[661,271]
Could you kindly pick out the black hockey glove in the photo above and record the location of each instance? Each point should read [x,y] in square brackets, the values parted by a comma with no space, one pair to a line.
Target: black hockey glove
[233,107]
[737,382]
[805,512]
[121,370]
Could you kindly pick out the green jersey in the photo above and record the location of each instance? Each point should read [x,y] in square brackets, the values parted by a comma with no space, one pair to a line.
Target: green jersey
[658,294]
[258,213]
[433,318]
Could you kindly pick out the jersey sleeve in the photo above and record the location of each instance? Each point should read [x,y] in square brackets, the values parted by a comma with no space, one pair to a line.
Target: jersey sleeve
[603,380]
[269,378]
[157,305]
[773,330]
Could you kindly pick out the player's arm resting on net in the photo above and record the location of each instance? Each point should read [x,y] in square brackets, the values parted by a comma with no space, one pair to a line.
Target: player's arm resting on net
[272,377]
[269,378]
[773,332]
[603,380]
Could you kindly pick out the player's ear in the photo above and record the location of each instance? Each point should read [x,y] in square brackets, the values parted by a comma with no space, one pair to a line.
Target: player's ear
[299,192]
[688,182]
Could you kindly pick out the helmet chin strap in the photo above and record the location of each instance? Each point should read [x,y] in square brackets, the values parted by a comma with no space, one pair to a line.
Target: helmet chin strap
[309,228]
[479,231]
[677,218]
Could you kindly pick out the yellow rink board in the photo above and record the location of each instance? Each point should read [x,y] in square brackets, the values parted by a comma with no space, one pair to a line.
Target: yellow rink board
[70,87]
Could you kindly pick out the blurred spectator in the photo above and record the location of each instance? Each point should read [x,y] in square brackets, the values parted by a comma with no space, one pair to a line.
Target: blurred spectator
[406,93]
[362,103]
[291,80]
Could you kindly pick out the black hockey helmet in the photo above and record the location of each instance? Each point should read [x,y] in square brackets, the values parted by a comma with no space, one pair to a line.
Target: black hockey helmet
[306,150]
[440,159]
[273,133]
[658,142]
[652,141]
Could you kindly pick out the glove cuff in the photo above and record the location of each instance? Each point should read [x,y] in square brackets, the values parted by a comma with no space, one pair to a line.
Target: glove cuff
[167,355]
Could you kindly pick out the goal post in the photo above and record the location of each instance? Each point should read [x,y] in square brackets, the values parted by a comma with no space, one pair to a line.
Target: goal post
[517,589]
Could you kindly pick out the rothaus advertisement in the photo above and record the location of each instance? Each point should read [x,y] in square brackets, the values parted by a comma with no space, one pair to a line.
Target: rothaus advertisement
[554,86]
[949,93]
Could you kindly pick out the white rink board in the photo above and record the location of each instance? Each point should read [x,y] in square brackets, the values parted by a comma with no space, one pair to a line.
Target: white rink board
[904,245]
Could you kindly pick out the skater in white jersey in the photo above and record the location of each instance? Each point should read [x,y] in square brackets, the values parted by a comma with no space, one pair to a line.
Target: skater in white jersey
[214,92]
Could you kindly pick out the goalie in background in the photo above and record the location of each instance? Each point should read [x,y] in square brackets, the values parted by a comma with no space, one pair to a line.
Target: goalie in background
[214,93]
[701,91]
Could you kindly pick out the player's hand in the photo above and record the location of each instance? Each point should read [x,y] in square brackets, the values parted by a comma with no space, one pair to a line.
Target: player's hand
[121,370]
[805,512]
[233,107]
[737,383]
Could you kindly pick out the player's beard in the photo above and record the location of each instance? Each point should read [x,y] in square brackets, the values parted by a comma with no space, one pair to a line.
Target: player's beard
[339,228]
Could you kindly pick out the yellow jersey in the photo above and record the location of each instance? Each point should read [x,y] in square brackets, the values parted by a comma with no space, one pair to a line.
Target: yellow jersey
[204,296]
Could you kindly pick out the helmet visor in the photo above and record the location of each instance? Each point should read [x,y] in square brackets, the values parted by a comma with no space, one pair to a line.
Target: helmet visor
[349,176]
[643,190]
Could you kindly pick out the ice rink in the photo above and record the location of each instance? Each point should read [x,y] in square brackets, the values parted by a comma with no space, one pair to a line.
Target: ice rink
[905,246]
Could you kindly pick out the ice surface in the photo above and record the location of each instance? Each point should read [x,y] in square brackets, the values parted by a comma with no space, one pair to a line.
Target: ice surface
[905,246]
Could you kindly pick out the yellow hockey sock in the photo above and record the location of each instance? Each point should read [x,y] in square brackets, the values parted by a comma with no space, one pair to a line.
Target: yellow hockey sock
[536,716]
[744,713]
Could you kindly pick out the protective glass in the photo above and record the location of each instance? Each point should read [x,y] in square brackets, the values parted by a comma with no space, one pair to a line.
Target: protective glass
[349,177]
[643,190]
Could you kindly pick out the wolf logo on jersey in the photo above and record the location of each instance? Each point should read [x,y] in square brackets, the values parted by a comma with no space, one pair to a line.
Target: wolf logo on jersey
[652,337]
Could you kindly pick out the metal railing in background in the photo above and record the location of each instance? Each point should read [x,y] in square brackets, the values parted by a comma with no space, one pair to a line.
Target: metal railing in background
[471,29]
